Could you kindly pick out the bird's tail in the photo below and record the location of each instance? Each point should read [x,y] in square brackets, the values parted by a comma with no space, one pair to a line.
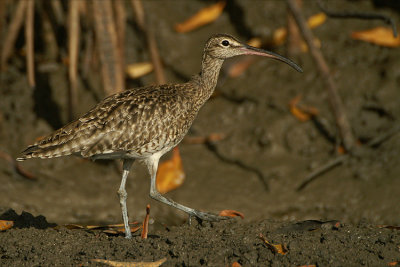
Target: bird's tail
[37,151]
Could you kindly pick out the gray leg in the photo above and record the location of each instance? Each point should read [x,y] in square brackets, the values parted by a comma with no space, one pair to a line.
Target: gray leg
[123,195]
[152,164]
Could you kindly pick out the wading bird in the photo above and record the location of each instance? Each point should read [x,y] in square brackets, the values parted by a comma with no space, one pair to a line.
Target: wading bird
[145,123]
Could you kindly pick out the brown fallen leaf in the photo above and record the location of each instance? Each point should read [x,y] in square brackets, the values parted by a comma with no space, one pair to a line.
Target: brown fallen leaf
[279,36]
[394,263]
[341,150]
[382,36]
[119,225]
[131,264]
[255,41]
[138,70]
[146,223]
[302,113]
[279,248]
[203,17]
[170,173]
[4,225]
[231,213]
[316,20]
[236,264]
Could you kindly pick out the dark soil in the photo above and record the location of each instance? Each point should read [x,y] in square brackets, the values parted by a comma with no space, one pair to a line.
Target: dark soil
[256,169]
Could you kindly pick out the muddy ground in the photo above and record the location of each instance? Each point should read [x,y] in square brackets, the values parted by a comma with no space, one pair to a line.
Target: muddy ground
[256,169]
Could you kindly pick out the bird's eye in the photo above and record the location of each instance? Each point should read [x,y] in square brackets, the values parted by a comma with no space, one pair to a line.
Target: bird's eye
[225,43]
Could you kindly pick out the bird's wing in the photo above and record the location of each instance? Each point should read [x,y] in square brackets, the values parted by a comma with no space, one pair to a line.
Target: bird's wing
[140,125]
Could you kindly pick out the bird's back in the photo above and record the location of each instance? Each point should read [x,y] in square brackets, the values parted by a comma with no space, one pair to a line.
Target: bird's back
[135,123]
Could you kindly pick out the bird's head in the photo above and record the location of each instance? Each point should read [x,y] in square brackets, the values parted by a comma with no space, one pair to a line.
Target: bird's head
[223,46]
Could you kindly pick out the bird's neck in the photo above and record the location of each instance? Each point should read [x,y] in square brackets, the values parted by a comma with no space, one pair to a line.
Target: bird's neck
[208,78]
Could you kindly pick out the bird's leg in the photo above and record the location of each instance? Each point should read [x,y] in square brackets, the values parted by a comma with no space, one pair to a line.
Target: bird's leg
[123,196]
[152,164]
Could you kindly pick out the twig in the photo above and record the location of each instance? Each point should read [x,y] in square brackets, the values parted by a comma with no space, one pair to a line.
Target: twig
[358,15]
[120,15]
[57,8]
[3,8]
[293,43]
[339,160]
[12,33]
[321,170]
[213,148]
[383,137]
[145,230]
[29,23]
[49,35]
[335,101]
[73,33]
[106,37]
[87,53]
[151,41]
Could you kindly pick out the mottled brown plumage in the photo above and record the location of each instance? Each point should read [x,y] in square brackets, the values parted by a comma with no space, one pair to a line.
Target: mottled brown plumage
[145,123]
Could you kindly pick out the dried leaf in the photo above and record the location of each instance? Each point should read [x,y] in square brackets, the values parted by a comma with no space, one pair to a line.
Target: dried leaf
[138,70]
[203,17]
[146,223]
[236,264]
[278,248]
[302,113]
[279,36]
[341,150]
[255,42]
[170,173]
[301,116]
[4,225]
[119,225]
[231,213]
[393,263]
[131,264]
[382,36]
[316,20]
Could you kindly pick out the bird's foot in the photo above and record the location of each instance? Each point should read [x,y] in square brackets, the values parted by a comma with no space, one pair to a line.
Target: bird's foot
[205,216]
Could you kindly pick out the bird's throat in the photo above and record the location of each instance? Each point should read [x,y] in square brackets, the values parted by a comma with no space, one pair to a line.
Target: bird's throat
[209,75]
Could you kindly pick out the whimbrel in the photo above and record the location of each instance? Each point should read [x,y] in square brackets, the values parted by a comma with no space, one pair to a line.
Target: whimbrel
[145,123]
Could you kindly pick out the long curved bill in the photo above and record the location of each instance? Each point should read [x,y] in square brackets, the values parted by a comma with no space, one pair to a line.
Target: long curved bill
[250,50]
